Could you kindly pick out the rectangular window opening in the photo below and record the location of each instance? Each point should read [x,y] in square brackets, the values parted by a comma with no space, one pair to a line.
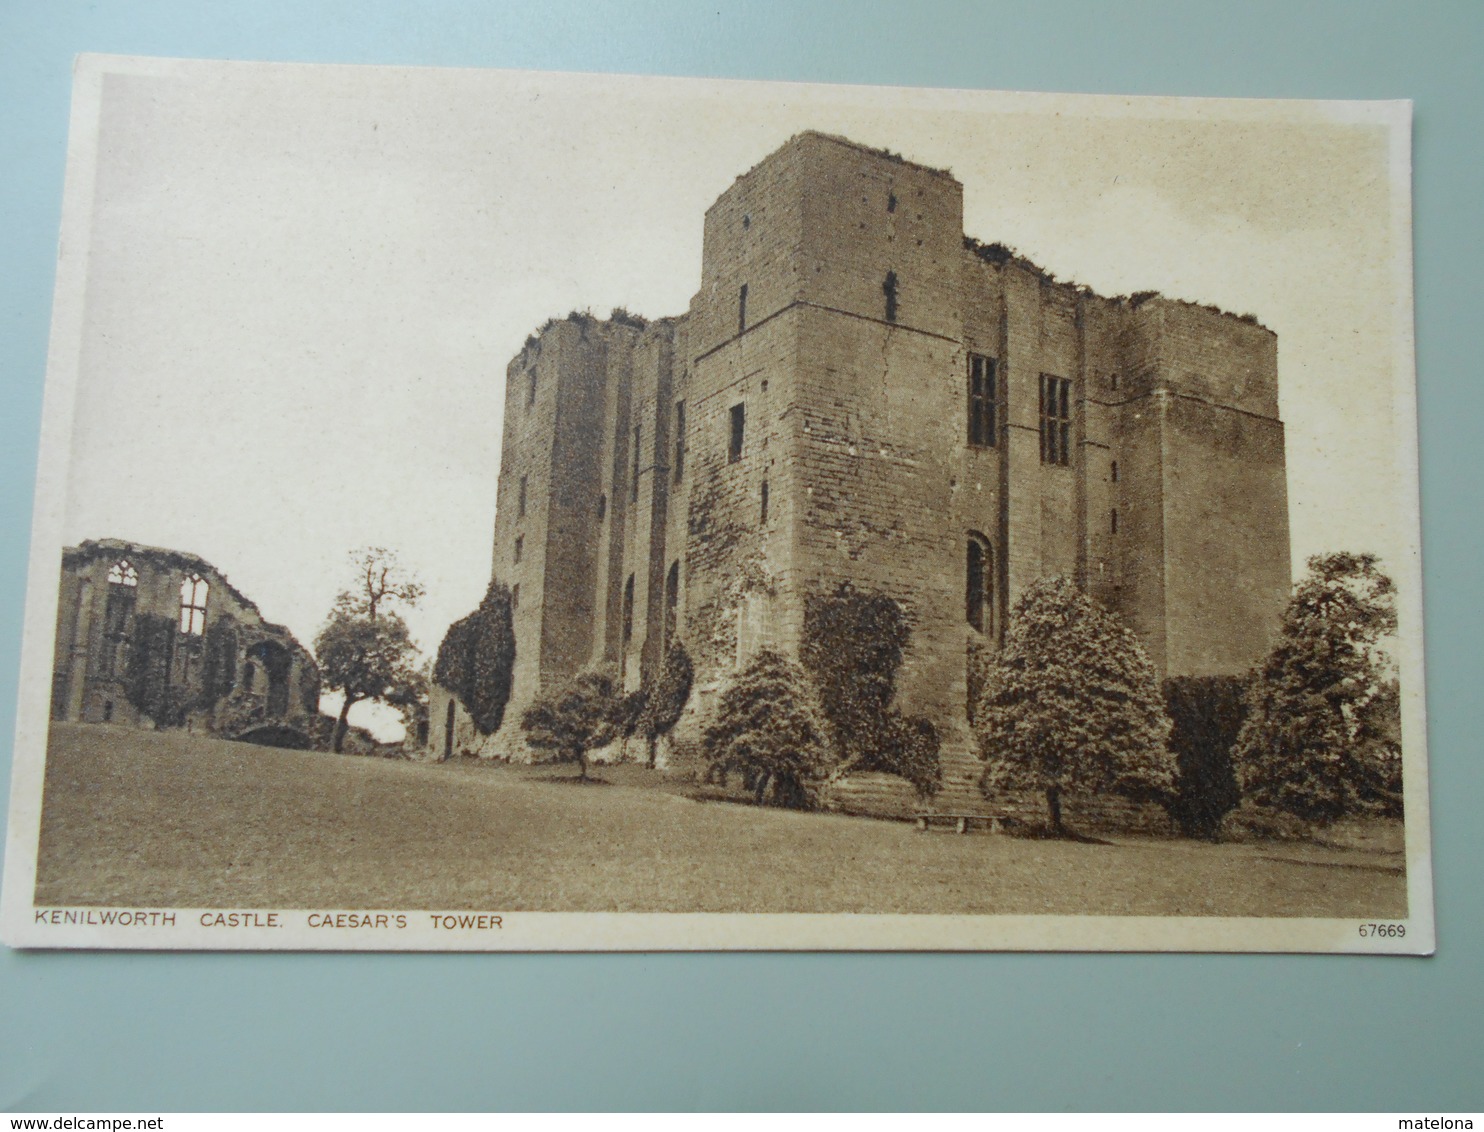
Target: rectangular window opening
[520,543]
[634,479]
[530,387]
[983,402]
[679,441]
[520,502]
[1056,420]
[742,309]
[763,509]
[739,424]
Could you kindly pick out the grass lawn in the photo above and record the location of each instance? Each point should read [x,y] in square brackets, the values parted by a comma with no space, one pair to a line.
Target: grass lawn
[175,820]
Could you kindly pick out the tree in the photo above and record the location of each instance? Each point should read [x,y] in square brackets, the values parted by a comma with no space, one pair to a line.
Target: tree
[366,660]
[476,661]
[579,716]
[1207,713]
[662,704]
[852,647]
[769,728]
[380,583]
[365,650]
[1315,740]
[1071,702]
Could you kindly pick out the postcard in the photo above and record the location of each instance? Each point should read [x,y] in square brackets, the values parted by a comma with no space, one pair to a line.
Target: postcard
[489,510]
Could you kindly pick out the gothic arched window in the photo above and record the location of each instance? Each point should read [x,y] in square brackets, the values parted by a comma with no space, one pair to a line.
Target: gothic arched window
[979,584]
[193,593]
[122,573]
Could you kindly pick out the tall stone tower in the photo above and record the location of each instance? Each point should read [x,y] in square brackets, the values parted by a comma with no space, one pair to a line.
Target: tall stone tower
[860,394]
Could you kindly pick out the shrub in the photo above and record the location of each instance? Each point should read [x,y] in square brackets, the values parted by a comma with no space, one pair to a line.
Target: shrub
[1313,742]
[1072,702]
[579,716]
[768,728]
[1207,714]
[664,701]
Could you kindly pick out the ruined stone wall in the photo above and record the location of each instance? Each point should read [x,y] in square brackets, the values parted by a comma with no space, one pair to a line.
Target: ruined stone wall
[268,676]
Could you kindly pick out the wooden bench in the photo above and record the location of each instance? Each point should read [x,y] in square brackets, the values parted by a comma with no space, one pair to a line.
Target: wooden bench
[961,822]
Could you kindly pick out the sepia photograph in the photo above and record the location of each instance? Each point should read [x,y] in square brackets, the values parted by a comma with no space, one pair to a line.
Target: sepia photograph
[494,510]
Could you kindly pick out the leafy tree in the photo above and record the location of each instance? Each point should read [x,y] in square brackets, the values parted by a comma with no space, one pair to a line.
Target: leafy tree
[365,650]
[1071,702]
[1207,713]
[1314,743]
[663,703]
[581,715]
[476,661]
[769,728]
[852,646]
[366,660]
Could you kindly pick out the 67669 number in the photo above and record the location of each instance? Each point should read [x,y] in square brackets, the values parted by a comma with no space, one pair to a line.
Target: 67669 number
[1383,931]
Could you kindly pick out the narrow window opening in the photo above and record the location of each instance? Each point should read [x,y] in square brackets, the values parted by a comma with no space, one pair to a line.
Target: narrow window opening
[249,677]
[891,202]
[739,424]
[634,479]
[107,711]
[530,387]
[1114,470]
[520,502]
[742,309]
[1113,521]
[515,597]
[679,441]
[746,221]
[520,543]
[672,600]
[889,289]
[193,593]
[979,584]
[1113,381]
[602,507]
[763,509]
[628,611]
[983,402]
[1056,420]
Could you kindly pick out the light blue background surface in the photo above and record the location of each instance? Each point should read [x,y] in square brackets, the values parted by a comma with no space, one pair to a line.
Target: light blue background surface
[181,1032]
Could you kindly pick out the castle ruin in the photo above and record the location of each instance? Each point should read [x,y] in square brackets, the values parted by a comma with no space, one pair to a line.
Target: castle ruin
[860,393]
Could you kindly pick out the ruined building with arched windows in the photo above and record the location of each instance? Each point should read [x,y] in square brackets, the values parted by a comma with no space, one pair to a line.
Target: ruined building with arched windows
[157,638]
[860,393]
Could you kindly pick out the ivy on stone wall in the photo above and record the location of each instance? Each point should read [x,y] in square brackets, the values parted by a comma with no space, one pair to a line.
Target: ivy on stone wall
[664,698]
[476,661]
[218,662]
[852,647]
[148,685]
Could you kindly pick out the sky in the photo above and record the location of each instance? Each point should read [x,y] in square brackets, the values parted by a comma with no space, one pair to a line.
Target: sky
[294,289]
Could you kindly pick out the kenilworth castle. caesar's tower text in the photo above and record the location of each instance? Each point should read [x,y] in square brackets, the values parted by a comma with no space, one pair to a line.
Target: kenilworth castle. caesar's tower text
[860,393]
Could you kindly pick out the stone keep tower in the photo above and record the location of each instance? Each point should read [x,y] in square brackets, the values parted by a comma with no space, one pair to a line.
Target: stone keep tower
[860,394]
